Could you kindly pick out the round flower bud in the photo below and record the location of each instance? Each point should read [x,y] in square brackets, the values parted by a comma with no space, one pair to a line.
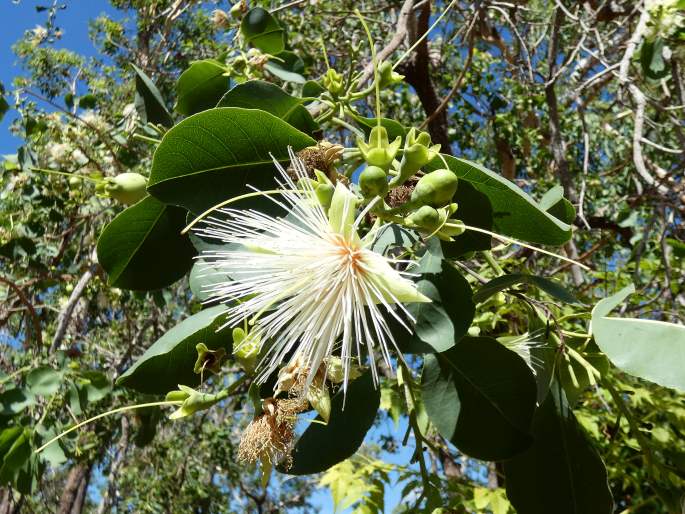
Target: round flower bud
[126,188]
[373,182]
[435,189]
[425,217]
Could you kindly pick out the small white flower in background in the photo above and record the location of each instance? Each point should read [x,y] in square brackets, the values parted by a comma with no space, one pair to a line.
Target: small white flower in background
[308,282]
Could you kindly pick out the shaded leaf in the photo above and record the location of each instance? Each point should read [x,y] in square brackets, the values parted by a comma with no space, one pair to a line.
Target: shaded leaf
[257,94]
[136,247]
[149,102]
[201,86]
[262,30]
[561,472]
[43,381]
[343,434]
[480,396]
[169,361]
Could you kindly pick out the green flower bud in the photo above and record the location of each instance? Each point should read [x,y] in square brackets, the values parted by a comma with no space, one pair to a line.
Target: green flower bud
[373,181]
[379,151]
[426,217]
[247,351]
[333,82]
[417,153]
[435,189]
[386,76]
[126,188]
[194,401]
[176,396]
[324,193]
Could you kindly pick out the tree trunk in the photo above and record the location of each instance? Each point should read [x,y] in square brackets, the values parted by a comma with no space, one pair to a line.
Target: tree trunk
[75,487]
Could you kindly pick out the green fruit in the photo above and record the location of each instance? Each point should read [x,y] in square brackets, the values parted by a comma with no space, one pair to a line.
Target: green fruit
[373,182]
[425,217]
[435,189]
[126,188]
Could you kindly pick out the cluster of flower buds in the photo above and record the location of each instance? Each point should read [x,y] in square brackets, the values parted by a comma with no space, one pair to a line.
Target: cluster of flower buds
[333,82]
[418,152]
[125,188]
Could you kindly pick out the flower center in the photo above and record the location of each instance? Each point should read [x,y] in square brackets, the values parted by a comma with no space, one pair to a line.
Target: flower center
[350,252]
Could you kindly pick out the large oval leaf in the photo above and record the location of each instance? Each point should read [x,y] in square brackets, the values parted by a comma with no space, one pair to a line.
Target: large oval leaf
[201,86]
[654,350]
[323,446]
[214,155]
[480,396]
[169,361]
[257,94]
[262,30]
[514,213]
[142,247]
[561,473]
[443,321]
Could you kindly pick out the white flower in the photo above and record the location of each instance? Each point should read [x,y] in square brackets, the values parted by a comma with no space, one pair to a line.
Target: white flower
[307,282]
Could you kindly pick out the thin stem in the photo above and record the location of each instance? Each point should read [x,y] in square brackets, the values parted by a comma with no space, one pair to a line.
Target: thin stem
[492,262]
[104,414]
[65,174]
[374,61]
[520,243]
[141,137]
[425,34]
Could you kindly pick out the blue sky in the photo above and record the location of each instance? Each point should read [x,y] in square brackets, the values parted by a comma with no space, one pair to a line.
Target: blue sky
[19,17]
[73,21]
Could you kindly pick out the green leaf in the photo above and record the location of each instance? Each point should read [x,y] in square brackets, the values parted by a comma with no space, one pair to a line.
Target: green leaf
[215,154]
[551,287]
[561,473]
[43,381]
[257,94]
[653,350]
[87,101]
[480,396]
[149,102]
[514,213]
[394,236]
[201,86]
[312,89]
[287,66]
[15,450]
[96,385]
[652,59]
[4,106]
[142,247]
[553,202]
[14,401]
[169,361]
[323,446]
[474,210]
[262,30]
[446,319]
